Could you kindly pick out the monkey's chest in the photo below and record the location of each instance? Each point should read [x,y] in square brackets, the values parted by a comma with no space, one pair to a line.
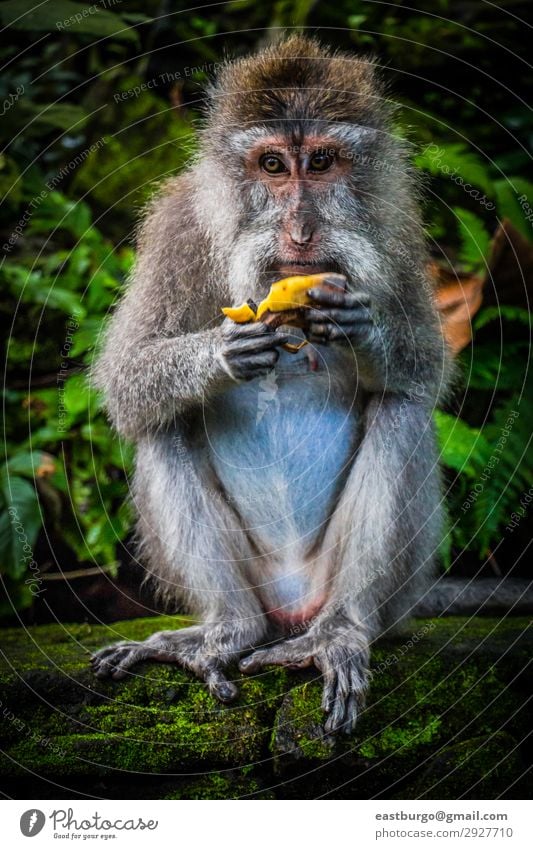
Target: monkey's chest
[282,447]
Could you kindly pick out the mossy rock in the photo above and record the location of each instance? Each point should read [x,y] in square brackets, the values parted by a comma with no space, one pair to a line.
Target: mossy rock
[447,716]
[482,762]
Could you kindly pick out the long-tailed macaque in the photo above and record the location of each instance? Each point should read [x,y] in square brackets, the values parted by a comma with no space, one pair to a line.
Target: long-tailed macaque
[291,501]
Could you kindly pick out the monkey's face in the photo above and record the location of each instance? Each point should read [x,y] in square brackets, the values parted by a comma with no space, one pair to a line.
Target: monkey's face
[302,204]
[295,181]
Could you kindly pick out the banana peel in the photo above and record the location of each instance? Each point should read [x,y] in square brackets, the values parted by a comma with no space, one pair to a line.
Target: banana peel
[285,303]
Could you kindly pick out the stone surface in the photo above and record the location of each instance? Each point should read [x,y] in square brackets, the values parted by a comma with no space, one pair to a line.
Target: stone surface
[447,717]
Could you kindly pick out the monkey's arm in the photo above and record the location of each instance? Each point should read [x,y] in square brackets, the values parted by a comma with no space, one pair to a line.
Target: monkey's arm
[148,381]
[163,351]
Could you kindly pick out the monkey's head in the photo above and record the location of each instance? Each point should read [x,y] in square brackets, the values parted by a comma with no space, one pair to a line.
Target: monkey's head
[300,170]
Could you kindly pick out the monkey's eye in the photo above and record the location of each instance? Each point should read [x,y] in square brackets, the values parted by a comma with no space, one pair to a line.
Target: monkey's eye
[272,164]
[320,161]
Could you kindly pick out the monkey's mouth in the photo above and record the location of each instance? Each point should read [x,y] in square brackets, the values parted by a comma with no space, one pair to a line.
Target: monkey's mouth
[291,268]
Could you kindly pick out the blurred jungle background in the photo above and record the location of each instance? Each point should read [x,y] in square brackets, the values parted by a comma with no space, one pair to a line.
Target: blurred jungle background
[99,103]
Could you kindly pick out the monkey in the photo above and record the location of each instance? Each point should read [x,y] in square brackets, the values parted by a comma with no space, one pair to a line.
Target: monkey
[291,502]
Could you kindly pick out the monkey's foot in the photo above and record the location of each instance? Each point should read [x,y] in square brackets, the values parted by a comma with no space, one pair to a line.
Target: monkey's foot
[193,648]
[341,657]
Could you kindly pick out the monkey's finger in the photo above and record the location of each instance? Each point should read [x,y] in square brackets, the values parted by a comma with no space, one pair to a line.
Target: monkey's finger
[246,331]
[359,678]
[340,316]
[102,661]
[328,693]
[329,332]
[349,331]
[219,686]
[117,663]
[97,659]
[336,690]
[339,299]
[351,713]
[255,344]
[253,662]
[337,716]
[101,668]
[319,331]
[125,661]
[281,655]
[257,330]
[107,650]
[252,365]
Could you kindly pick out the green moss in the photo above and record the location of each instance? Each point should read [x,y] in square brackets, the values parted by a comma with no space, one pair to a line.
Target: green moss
[484,767]
[228,785]
[59,720]
[298,730]
[401,739]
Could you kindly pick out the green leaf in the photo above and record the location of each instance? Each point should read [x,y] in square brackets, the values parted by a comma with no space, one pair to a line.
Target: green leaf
[25,463]
[86,336]
[63,116]
[459,443]
[356,21]
[58,212]
[505,312]
[445,545]
[495,366]
[35,288]
[77,395]
[509,205]
[20,522]
[506,472]
[64,16]
[457,163]
[475,240]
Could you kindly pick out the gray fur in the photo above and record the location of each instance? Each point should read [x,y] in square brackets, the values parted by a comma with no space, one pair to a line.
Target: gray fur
[316,522]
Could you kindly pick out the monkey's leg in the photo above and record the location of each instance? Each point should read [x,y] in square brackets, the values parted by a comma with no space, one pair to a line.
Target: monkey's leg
[339,648]
[382,537]
[195,546]
[203,649]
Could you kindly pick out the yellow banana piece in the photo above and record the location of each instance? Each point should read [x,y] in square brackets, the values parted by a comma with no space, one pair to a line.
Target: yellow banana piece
[241,314]
[287,294]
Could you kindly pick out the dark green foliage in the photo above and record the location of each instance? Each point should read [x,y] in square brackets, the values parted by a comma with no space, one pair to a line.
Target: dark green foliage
[77,485]
[98,107]
[492,461]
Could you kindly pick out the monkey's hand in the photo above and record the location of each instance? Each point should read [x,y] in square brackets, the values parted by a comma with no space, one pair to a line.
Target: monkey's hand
[339,317]
[204,650]
[340,651]
[250,350]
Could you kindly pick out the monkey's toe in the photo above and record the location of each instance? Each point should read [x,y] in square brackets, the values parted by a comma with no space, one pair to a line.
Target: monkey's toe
[344,693]
[295,654]
[344,715]
[115,661]
[219,686]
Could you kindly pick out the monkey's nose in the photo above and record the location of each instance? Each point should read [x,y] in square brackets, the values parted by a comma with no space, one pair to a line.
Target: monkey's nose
[301,234]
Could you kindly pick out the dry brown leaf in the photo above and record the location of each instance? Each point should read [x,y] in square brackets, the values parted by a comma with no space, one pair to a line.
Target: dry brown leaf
[47,466]
[459,296]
